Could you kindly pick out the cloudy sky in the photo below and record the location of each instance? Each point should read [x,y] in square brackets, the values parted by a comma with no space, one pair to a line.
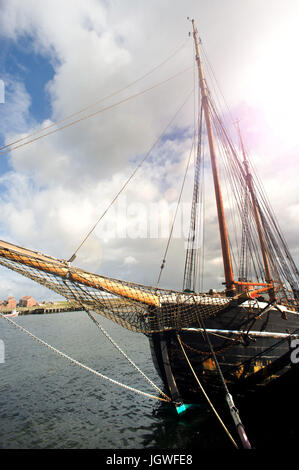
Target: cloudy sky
[58,57]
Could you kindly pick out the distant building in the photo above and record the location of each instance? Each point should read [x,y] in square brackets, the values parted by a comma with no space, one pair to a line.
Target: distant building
[27,301]
[11,302]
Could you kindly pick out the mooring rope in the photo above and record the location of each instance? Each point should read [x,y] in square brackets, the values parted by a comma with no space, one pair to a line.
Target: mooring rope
[83,366]
[125,355]
[229,399]
[205,394]
[97,323]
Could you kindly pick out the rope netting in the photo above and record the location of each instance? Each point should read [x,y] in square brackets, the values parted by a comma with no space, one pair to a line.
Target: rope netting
[138,308]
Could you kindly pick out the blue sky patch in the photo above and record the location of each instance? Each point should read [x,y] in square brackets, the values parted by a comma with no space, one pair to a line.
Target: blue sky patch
[18,60]
[19,63]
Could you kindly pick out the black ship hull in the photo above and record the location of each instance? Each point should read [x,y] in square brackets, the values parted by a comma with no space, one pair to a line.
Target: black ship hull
[257,358]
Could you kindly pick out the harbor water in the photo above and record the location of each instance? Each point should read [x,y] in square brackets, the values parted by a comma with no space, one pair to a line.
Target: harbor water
[47,402]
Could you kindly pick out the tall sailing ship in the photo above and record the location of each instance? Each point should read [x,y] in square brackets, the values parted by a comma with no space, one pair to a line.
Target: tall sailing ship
[241,337]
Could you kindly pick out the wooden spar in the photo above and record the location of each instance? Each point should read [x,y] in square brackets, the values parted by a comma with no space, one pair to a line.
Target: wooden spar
[243,283]
[258,222]
[228,271]
[59,268]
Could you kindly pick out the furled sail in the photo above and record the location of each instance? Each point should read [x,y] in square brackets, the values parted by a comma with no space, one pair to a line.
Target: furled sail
[136,307]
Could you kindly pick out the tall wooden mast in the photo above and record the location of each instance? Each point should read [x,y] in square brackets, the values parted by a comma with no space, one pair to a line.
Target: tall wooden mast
[228,271]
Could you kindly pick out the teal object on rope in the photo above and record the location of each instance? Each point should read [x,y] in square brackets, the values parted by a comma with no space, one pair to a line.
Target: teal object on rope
[184,407]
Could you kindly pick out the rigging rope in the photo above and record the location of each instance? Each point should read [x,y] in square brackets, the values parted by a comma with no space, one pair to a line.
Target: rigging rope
[98,101]
[191,265]
[174,218]
[96,112]
[282,264]
[130,178]
[79,364]
[201,256]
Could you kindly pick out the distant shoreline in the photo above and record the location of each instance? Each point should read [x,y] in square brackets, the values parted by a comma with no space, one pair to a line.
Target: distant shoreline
[48,307]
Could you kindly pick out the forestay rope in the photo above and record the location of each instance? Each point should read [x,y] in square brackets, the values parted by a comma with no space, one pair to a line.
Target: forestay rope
[131,176]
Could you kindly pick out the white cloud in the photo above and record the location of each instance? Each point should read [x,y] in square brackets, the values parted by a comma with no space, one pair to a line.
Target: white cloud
[14,112]
[130,260]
